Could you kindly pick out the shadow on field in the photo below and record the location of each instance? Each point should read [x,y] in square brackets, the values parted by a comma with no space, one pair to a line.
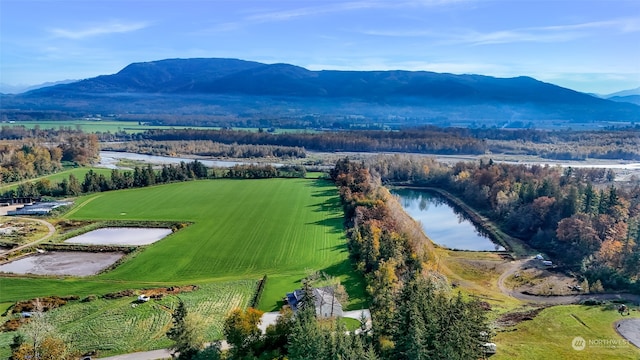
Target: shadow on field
[317,183]
[333,223]
[352,281]
[330,205]
[340,248]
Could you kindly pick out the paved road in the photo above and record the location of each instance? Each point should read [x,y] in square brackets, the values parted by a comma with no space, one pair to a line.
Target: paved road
[145,355]
[630,330]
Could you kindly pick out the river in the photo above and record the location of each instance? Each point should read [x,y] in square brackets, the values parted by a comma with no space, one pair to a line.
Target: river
[444,224]
[110,159]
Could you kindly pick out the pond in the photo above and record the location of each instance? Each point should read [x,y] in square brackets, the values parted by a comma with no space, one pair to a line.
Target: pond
[75,263]
[120,236]
[444,224]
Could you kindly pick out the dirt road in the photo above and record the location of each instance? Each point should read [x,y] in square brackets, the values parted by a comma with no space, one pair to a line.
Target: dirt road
[517,265]
[51,231]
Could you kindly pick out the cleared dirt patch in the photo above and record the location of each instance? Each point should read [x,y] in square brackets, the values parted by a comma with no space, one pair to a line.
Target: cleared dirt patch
[73,263]
[121,236]
[536,279]
[516,317]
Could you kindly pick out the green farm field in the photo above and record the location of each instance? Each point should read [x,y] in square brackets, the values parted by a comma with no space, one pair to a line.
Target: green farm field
[93,126]
[113,126]
[240,229]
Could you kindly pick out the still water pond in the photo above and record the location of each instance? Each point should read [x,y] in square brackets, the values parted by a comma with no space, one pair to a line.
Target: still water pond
[443,224]
[120,236]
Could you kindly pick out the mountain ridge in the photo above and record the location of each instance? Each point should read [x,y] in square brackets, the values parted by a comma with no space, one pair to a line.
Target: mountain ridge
[230,87]
[223,76]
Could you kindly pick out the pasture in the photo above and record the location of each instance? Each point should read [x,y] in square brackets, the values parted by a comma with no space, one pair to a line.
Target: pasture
[240,229]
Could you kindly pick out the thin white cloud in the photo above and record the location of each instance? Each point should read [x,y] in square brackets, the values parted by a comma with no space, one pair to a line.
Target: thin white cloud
[556,33]
[346,6]
[624,25]
[327,8]
[114,27]
[542,34]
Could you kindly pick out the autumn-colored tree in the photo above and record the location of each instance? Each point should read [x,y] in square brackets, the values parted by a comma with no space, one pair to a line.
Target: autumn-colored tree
[579,233]
[242,332]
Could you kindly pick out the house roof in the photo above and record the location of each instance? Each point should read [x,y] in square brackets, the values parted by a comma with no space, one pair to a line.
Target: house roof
[325,303]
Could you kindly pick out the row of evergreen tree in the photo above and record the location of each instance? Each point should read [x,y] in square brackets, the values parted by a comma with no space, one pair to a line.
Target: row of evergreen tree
[146,176]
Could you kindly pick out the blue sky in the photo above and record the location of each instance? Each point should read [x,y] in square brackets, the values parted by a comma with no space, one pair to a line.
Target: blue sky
[587,45]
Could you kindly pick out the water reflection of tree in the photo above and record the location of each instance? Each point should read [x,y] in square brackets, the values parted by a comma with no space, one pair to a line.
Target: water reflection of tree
[426,198]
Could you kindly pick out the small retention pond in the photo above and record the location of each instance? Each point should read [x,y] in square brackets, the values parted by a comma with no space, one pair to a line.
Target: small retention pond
[443,223]
[75,263]
[120,236]
[80,263]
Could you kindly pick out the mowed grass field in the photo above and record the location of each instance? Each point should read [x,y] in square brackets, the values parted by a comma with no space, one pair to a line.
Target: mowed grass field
[240,229]
[550,335]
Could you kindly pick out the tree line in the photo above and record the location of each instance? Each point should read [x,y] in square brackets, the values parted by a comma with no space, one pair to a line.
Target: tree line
[419,140]
[207,148]
[559,145]
[147,176]
[27,158]
[577,216]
